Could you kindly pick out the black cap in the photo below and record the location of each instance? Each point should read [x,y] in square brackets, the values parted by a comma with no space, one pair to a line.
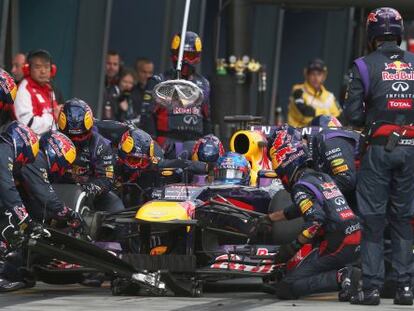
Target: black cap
[316,64]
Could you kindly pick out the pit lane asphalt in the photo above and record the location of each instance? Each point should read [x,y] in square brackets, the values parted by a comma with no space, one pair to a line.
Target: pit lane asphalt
[226,296]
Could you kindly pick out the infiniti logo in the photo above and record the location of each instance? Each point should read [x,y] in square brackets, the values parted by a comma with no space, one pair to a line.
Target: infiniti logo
[190,120]
[340,201]
[400,86]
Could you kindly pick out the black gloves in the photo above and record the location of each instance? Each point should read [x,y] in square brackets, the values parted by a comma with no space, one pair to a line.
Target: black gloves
[287,251]
[306,110]
[72,218]
[260,224]
[36,230]
[20,217]
[91,189]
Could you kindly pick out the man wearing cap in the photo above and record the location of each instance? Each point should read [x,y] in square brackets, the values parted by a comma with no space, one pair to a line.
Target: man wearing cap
[379,99]
[311,99]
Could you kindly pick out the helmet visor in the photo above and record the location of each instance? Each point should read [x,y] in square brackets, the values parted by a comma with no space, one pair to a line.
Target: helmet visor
[137,162]
[229,173]
[188,57]
[80,137]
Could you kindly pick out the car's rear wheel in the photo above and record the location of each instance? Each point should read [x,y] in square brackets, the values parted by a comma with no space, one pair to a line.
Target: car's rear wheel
[284,231]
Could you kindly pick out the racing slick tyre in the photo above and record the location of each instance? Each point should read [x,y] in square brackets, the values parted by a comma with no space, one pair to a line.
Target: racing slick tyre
[287,230]
[72,195]
[124,287]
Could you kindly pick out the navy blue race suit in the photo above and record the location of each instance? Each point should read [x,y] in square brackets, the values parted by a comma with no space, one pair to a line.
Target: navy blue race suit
[335,152]
[29,184]
[380,99]
[94,170]
[37,192]
[176,123]
[11,203]
[333,229]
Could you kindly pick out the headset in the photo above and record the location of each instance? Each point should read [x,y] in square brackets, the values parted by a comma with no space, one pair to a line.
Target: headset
[43,53]
[53,69]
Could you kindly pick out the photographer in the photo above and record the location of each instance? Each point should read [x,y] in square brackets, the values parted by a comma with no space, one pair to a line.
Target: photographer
[126,106]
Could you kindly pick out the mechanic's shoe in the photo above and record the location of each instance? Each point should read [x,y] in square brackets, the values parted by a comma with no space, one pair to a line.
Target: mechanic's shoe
[403,296]
[366,297]
[8,286]
[349,278]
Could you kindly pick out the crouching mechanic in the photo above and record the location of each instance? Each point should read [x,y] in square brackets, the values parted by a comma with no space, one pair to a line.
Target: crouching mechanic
[139,162]
[334,152]
[93,168]
[136,166]
[57,152]
[330,225]
[19,146]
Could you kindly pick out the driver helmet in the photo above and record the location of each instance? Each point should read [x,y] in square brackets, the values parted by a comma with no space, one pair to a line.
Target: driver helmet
[232,168]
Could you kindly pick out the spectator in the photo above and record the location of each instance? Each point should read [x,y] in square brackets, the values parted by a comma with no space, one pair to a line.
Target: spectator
[17,67]
[112,68]
[312,99]
[35,103]
[144,68]
[127,107]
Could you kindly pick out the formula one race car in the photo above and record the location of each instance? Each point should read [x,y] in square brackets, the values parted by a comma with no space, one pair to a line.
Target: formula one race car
[199,233]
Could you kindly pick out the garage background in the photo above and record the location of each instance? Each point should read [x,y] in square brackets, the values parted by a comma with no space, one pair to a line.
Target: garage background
[282,35]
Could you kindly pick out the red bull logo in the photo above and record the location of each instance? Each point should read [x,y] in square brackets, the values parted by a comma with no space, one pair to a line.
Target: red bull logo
[372,17]
[328,186]
[280,139]
[283,152]
[401,71]
[398,66]
[8,85]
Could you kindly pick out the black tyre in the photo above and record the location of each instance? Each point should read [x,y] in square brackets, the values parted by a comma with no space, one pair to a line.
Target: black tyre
[72,195]
[124,287]
[284,231]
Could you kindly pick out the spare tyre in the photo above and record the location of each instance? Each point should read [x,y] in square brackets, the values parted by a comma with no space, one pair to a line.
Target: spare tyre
[284,231]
